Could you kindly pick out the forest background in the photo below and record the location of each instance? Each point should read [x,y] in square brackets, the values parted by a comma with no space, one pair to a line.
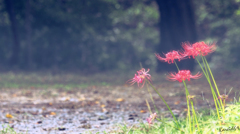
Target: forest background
[106,35]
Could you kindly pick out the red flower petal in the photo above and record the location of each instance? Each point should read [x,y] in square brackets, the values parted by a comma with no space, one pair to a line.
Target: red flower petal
[170,57]
[139,78]
[183,75]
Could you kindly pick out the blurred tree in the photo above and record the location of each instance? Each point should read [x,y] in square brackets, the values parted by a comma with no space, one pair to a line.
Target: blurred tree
[28,29]
[87,35]
[16,44]
[95,35]
[177,25]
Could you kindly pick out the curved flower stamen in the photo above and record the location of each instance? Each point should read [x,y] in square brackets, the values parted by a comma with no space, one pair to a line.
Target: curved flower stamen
[183,75]
[198,48]
[170,57]
[139,78]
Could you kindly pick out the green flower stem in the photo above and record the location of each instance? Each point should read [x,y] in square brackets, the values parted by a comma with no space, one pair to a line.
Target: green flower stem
[212,77]
[187,93]
[194,114]
[212,90]
[210,83]
[164,102]
[189,115]
[215,85]
[149,108]
[176,65]
[152,100]
[194,119]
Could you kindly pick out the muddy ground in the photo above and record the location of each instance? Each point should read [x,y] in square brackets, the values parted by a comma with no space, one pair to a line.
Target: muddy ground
[100,108]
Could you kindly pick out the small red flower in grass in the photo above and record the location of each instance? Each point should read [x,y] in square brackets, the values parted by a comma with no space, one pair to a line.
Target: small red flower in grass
[151,118]
[140,77]
[170,57]
[223,97]
[198,48]
[183,75]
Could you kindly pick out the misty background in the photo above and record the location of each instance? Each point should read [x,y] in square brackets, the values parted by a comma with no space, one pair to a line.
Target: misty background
[105,35]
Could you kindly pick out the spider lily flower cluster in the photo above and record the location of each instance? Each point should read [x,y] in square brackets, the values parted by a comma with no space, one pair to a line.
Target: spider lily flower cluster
[139,78]
[198,48]
[189,50]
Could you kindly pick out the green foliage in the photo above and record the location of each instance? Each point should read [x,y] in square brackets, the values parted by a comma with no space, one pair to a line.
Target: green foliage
[8,130]
[208,124]
[82,34]
[218,21]
[108,34]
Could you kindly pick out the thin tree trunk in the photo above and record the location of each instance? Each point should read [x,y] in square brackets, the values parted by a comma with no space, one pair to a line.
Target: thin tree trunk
[177,25]
[16,44]
[28,29]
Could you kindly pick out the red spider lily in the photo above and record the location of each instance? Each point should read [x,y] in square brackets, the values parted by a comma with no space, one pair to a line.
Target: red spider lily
[144,73]
[151,118]
[189,50]
[136,78]
[183,75]
[223,97]
[140,77]
[203,48]
[170,57]
[198,48]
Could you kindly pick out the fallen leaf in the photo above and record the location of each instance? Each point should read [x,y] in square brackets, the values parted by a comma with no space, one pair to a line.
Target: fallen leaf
[67,99]
[50,103]
[97,102]
[43,108]
[104,110]
[9,115]
[185,109]
[102,105]
[81,99]
[176,102]
[120,99]
[52,113]
[143,111]
[14,95]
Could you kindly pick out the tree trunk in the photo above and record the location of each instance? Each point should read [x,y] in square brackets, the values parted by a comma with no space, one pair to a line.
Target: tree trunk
[177,25]
[16,45]
[28,29]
